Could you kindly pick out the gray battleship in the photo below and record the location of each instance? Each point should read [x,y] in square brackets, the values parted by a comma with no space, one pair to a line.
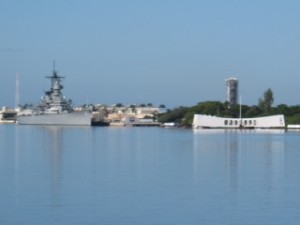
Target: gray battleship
[54,109]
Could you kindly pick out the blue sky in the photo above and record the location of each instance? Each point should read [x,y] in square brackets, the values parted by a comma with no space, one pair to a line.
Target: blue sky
[160,51]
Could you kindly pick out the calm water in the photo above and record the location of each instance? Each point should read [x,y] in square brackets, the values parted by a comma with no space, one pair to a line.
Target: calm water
[155,176]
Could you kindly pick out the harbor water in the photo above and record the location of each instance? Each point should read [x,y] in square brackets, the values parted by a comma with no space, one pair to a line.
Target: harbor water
[154,176]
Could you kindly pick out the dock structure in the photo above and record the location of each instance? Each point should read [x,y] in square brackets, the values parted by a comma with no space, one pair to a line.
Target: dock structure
[293,126]
[142,124]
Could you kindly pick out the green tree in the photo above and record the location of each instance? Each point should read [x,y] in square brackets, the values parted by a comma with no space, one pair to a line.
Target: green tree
[209,108]
[175,115]
[266,102]
[253,111]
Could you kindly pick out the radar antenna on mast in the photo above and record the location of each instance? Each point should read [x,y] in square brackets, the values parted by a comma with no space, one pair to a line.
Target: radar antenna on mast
[55,73]
[53,65]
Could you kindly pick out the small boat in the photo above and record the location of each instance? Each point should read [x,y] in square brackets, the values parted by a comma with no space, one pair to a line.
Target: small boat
[100,123]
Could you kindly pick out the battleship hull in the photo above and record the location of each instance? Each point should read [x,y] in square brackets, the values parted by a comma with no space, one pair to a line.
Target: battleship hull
[65,119]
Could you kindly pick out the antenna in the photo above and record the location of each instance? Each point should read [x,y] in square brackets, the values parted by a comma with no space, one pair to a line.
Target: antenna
[241,108]
[54,73]
[53,65]
[17,92]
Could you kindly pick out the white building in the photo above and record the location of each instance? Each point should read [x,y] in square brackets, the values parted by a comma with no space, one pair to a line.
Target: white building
[267,122]
[134,111]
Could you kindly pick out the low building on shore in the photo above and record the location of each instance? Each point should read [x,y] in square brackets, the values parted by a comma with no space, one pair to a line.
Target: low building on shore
[8,115]
[131,114]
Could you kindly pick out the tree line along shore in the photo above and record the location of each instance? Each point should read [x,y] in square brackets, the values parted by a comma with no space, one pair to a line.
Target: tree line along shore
[183,116]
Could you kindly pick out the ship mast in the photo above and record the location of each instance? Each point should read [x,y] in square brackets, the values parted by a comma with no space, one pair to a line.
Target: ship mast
[54,73]
[241,110]
[17,97]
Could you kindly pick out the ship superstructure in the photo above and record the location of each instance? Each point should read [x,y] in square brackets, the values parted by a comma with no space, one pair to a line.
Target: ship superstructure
[53,101]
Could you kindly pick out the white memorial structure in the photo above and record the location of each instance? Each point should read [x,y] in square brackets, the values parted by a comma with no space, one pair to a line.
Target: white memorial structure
[267,122]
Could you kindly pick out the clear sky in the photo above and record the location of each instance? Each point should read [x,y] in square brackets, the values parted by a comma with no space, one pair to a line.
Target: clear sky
[172,52]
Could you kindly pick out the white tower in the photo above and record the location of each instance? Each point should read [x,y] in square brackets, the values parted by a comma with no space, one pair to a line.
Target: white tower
[232,89]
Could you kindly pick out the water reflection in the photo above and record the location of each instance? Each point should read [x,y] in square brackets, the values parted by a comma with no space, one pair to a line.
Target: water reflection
[53,137]
[232,149]
[253,158]
[64,175]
